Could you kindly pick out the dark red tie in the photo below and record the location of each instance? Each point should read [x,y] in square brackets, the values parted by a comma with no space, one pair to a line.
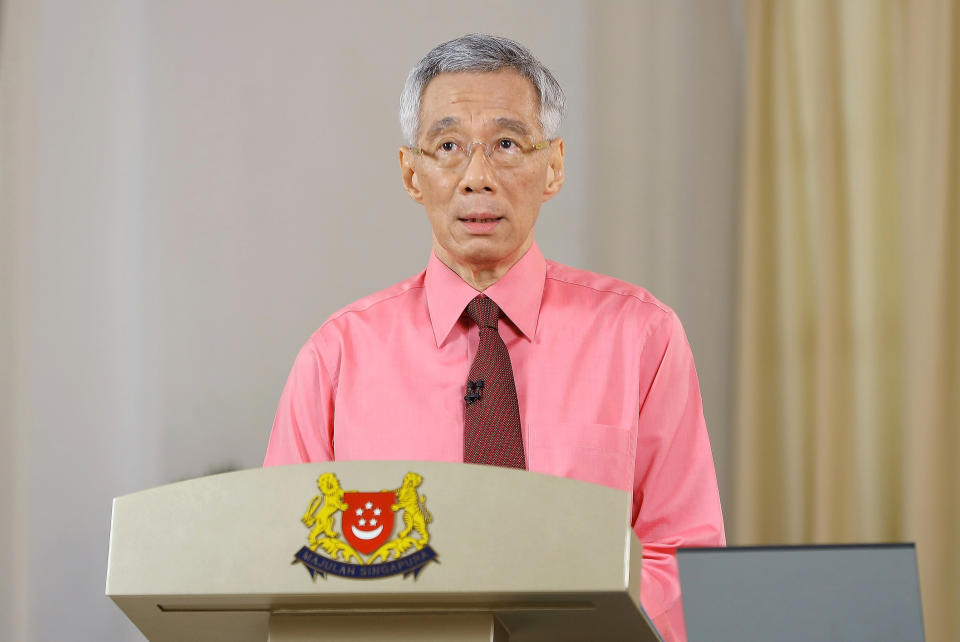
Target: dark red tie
[491,419]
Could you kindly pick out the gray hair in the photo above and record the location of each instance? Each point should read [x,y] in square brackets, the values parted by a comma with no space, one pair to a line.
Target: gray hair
[484,53]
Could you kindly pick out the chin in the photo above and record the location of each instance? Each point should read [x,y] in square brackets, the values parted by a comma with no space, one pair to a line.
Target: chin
[482,252]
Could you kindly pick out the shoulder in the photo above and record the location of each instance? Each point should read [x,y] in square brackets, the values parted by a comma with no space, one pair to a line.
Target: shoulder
[373,312]
[385,301]
[597,291]
[624,314]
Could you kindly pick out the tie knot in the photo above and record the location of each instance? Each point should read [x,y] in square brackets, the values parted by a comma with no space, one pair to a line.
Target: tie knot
[484,312]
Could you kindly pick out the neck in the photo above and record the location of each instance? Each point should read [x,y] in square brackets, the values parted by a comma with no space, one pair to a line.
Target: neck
[479,276]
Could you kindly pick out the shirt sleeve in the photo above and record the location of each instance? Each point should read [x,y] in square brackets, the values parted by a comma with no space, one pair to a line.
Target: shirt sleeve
[303,427]
[676,501]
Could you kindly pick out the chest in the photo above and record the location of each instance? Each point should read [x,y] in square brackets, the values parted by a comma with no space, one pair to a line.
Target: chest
[577,393]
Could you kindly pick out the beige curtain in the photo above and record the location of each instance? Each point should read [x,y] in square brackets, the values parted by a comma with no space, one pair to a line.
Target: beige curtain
[849,341]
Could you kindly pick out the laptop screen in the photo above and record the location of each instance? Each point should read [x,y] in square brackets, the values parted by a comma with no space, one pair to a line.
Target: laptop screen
[801,593]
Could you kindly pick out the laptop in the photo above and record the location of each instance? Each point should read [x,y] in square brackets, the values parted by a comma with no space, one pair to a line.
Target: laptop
[842,593]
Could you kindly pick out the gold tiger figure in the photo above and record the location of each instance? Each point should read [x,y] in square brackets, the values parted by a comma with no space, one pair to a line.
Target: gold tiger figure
[415,514]
[331,500]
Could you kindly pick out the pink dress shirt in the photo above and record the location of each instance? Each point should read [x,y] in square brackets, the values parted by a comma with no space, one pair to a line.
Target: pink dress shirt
[606,385]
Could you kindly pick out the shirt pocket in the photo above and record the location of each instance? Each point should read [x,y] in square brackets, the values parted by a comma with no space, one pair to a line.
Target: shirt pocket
[596,453]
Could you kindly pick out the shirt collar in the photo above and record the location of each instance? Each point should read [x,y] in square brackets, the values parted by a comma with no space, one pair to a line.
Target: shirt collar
[518,293]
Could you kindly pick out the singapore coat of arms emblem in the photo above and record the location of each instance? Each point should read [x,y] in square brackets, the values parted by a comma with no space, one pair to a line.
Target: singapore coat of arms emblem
[364,543]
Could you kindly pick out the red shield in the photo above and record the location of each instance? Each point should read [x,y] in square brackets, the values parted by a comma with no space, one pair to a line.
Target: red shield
[368,520]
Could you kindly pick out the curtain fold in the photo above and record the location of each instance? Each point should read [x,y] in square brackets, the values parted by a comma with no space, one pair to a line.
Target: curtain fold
[849,319]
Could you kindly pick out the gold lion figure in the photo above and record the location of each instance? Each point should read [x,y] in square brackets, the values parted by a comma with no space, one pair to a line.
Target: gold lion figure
[328,502]
[415,514]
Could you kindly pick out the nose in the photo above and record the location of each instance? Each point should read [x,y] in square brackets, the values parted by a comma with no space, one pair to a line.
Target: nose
[479,175]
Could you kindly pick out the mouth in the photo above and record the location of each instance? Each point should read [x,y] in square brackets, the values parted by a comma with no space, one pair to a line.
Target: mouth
[481,224]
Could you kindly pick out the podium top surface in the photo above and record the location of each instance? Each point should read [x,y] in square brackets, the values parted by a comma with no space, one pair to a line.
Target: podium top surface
[448,537]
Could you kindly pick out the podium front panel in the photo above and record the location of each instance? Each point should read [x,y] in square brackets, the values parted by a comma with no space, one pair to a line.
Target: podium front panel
[548,556]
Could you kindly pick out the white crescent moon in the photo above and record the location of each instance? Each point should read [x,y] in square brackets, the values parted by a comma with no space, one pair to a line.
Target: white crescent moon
[359,534]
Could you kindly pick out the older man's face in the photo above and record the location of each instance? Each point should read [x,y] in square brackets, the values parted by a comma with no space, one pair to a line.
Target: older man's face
[482,215]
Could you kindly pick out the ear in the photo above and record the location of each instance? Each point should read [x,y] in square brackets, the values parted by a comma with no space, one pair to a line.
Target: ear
[555,173]
[408,174]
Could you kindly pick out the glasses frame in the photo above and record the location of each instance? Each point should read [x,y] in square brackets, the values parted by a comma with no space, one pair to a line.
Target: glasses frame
[468,153]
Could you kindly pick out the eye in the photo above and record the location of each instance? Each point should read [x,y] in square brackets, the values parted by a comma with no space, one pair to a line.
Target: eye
[447,147]
[507,145]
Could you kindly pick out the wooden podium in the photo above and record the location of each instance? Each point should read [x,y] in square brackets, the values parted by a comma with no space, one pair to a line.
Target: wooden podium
[490,554]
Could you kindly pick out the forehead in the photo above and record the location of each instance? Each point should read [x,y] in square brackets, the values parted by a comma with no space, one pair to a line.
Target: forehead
[475,98]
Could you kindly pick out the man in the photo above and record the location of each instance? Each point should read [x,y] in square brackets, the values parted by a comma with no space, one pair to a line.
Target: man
[551,369]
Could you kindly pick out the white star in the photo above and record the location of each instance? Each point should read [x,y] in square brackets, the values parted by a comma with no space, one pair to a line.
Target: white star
[362,522]
[368,505]
[359,511]
[376,511]
[373,522]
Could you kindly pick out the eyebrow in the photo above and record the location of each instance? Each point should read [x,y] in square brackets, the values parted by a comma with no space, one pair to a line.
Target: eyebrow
[441,125]
[514,125]
[448,122]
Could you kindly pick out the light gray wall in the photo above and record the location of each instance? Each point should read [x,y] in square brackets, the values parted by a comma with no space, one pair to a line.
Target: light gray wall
[190,187]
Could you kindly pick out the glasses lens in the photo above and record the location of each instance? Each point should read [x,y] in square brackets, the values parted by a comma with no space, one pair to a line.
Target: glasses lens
[507,157]
[451,161]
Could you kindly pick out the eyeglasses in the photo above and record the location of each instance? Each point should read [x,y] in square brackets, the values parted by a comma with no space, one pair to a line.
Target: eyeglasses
[504,153]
